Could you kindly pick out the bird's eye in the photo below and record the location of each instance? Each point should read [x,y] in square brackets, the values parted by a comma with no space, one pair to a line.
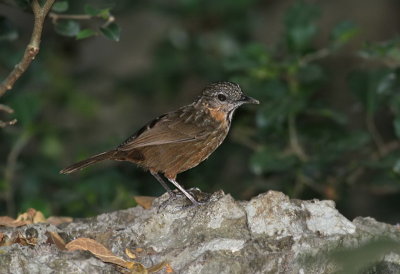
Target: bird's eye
[221,97]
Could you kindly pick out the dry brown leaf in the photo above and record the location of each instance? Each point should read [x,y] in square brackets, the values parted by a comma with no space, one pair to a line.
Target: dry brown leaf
[138,268]
[39,218]
[144,201]
[168,268]
[98,250]
[18,238]
[6,220]
[10,222]
[54,220]
[138,250]
[5,240]
[27,216]
[130,253]
[22,240]
[32,216]
[55,238]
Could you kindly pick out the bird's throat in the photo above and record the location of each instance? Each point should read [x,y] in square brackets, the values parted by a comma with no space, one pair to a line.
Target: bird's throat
[218,115]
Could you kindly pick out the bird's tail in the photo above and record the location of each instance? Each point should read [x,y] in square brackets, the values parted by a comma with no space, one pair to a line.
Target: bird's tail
[92,160]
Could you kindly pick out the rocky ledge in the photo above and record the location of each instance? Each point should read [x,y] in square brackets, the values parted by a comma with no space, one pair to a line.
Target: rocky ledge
[268,234]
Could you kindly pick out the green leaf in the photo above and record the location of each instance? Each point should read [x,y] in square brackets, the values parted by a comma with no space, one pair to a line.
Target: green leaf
[23,4]
[311,74]
[343,32]
[7,30]
[300,26]
[60,6]
[90,10]
[27,107]
[51,146]
[112,31]
[372,86]
[67,28]
[102,13]
[85,33]
[388,51]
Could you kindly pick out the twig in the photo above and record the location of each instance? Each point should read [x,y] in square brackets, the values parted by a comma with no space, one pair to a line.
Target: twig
[359,171]
[376,137]
[319,54]
[33,47]
[31,50]
[10,172]
[295,146]
[7,123]
[56,16]
[8,110]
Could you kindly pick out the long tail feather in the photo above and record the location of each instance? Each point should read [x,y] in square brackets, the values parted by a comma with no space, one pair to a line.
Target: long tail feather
[92,160]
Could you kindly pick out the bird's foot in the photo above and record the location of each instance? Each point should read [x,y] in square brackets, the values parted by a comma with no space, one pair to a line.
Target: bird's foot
[197,198]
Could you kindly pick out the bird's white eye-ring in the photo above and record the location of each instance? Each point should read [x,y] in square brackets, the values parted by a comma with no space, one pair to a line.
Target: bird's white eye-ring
[221,97]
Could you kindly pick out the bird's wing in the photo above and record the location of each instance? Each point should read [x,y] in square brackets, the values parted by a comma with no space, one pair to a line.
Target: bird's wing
[165,129]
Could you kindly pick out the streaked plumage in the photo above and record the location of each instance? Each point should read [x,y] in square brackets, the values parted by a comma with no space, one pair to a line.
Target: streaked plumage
[179,140]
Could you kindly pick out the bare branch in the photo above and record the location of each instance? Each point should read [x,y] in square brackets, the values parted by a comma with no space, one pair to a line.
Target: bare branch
[8,123]
[294,142]
[376,136]
[8,110]
[9,171]
[322,53]
[56,16]
[32,48]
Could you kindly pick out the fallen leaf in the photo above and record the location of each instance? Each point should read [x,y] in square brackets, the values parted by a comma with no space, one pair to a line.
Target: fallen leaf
[157,267]
[10,222]
[58,220]
[22,240]
[138,249]
[138,268]
[6,220]
[129,253]
[27,216]
[144,201]
[55,238]
[98,250]
[32,216]
[38,218]
[168,268]
[5,240]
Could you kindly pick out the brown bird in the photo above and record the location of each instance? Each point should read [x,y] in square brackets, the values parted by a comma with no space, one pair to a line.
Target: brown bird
[179,140]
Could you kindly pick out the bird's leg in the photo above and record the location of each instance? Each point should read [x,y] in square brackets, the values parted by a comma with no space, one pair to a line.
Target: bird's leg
[164,184]
[190,197]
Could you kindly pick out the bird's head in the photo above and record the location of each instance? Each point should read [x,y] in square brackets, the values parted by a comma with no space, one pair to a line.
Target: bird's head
[226,96]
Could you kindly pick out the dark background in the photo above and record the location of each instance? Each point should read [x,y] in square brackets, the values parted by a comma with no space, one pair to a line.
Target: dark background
[326,73]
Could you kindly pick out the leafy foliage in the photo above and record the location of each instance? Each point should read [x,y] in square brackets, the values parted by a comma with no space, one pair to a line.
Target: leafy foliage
[111,31]
[298,140]
[70,24]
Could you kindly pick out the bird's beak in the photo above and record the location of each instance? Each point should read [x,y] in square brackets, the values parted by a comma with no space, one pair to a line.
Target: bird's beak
[248,100]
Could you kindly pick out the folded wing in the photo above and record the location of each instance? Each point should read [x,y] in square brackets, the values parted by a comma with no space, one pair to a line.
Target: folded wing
[165,129]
